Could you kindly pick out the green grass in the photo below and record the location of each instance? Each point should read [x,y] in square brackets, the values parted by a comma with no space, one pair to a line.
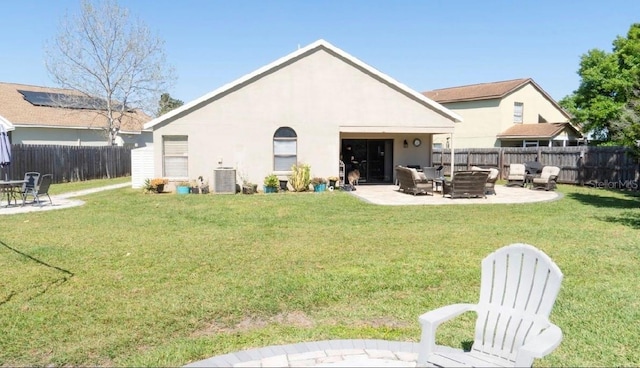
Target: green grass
[87,184]
[133,279]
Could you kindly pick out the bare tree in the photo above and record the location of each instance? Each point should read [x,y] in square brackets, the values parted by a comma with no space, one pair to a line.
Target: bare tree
[114,63]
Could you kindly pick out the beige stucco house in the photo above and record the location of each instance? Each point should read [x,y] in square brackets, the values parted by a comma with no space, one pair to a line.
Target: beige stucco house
[33,115]
[513,113]
[303,108]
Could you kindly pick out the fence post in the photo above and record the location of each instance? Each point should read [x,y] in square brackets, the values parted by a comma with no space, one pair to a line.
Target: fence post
[580,165]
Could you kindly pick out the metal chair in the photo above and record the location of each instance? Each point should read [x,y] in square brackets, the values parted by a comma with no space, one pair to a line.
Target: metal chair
[30,186]
[43,188]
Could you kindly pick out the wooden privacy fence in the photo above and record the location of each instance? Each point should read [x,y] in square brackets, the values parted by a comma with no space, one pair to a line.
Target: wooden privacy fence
[578,165]
[69,163]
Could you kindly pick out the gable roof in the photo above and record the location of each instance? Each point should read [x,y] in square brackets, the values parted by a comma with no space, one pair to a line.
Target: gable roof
[487,91]
[474,92]
[540,130]
[320,44]
[21,113]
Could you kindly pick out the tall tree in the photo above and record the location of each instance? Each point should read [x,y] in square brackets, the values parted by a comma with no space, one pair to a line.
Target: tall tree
[111,60]
[607,101]
[168,103]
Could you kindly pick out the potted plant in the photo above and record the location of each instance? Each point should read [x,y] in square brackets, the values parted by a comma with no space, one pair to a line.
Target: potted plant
[300,177]
[319,184]
[155,185]
[204,185]
[249,187]
[194,188]
[183,187]
[333,181]
[271,183]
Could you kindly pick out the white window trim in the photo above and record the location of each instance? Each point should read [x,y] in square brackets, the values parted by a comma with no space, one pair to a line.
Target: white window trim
[518,118]
[284,155]
[175,138]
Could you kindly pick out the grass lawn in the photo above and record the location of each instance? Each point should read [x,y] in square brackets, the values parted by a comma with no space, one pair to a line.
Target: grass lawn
[133,279]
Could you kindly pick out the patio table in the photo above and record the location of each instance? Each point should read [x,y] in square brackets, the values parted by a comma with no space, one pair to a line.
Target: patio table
[11,188]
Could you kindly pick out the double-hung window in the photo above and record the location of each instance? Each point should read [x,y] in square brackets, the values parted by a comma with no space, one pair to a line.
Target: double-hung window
[285,149]
[518,111]
[175,156]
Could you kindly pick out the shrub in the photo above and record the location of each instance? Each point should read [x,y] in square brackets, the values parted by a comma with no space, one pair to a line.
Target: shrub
[300,177]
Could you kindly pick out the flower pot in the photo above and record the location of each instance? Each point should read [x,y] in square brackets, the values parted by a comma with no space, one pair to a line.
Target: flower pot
[270,189]
[195,190]
[249,189]
[320,187]
[182,190]
[332,183]
[159,188]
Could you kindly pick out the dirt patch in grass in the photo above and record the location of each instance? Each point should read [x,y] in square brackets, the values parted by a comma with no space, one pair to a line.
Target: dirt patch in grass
[295,318]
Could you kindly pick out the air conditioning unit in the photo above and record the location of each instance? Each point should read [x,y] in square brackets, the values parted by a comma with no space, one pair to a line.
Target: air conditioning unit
[224,180]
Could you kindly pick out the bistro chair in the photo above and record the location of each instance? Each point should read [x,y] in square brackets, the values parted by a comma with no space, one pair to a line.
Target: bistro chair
[30,186]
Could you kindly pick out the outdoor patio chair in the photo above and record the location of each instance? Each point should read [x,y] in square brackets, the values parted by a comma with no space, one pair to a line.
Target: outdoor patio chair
[547,178]
[30,186]
[490,185]
[412,181]
[517,175]
[519,285]
[43,188]
[430,172]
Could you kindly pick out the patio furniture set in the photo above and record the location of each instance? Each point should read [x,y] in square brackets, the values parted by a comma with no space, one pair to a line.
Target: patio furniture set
[33,185]
[533,175]
[477,182]
[474,183]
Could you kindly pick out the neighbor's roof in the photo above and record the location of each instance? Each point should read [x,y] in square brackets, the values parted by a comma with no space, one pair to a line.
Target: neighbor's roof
[320,44]
[20,112]
[474,92]
[539,130]
[487,91]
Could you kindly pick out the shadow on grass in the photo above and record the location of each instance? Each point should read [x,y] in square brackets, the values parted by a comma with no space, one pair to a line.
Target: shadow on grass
[66,276]
[631,199]
[628,218]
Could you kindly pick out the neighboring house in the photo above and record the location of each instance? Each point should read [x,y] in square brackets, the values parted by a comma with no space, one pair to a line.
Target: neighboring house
[35,117]
[303,108]
[513,113]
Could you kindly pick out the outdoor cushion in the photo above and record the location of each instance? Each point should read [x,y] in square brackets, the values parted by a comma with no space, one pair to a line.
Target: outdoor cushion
[417,175]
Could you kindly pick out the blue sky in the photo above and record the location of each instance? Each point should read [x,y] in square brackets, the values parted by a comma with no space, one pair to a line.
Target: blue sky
[423,44]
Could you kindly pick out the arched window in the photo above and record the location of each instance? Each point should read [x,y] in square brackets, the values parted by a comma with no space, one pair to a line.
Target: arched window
[285,148]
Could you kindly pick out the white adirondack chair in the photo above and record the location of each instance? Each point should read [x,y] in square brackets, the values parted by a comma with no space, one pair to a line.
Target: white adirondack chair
[519,285]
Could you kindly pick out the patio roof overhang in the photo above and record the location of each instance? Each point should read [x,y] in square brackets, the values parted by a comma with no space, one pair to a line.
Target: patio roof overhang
[396,129]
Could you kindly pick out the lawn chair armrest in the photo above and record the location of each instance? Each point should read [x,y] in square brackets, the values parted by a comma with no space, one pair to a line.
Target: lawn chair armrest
[430,322]
[539,346]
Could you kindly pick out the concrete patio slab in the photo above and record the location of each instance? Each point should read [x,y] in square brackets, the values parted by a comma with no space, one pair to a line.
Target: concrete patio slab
[389,195]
